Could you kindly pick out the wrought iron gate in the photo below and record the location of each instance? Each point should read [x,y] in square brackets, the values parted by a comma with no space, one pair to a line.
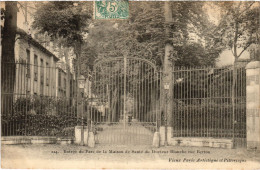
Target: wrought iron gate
[203,103]
[125,100]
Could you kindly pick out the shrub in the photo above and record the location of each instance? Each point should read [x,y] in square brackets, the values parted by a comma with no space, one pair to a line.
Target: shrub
[43,105]
[213,116]
[42,125]
[40,116]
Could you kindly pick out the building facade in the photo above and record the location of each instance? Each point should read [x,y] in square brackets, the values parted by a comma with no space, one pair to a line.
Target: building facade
[41,72]
[35,68]
[66,81]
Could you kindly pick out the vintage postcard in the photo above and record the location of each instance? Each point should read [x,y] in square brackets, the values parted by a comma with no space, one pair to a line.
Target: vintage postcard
[130,84]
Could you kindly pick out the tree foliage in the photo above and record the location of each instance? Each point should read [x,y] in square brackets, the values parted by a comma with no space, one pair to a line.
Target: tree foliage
[143,35]
[238,27]
[68,20]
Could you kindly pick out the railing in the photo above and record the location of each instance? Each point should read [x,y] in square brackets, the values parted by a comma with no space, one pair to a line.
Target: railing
[203,104]
[206,101]
[34,105]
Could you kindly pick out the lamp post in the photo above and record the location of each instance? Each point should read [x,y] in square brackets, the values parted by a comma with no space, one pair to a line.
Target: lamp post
[166,88]
[81,84]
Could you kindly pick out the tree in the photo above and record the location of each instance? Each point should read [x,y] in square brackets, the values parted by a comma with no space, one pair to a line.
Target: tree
[68,20]
[143,35]
[147,32]
[8,56]
[238,29]
[100,42]
[66,23]
[64,20]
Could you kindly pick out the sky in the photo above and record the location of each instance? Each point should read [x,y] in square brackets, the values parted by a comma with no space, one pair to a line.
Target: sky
[21,15]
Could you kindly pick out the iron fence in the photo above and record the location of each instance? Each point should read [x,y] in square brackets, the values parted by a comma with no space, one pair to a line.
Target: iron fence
[37,100]
[128,91]
[44,101]
[203,105]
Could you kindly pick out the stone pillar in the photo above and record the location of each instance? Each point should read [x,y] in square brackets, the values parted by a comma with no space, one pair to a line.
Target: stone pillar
[253,105]
[169,137]
[78,136]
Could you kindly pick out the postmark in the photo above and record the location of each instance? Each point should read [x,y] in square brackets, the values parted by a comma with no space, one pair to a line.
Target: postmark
[112,9]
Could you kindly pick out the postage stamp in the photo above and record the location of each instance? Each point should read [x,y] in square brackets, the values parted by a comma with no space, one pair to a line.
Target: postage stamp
[112,9]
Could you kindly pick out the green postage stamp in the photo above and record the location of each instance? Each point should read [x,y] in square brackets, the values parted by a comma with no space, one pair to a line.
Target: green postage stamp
[112,9]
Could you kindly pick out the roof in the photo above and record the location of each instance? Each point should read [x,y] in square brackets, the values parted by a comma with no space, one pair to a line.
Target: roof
[25,36]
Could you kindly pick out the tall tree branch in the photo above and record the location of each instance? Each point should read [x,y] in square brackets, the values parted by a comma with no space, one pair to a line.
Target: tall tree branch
[245,9]
[245,48]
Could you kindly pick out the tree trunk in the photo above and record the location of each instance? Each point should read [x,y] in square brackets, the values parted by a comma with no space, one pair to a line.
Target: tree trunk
[234,95]
[234,78]
[168,78]
[66,51]
[8,58]
[168,67]
[77,49]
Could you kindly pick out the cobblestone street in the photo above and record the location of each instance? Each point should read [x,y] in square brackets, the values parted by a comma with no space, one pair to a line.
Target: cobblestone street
[73,156]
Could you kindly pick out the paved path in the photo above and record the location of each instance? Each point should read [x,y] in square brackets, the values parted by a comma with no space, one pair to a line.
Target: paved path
[134,134]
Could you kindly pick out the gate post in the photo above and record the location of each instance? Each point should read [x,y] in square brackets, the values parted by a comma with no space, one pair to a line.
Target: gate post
[253,105]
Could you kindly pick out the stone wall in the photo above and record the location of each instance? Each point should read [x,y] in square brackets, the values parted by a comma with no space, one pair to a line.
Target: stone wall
[193,141]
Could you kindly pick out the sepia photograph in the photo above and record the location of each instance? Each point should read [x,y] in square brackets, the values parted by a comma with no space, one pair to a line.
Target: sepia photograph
[121,84]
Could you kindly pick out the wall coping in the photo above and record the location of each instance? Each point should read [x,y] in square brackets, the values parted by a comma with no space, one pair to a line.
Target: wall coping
[253,65]
[9,140]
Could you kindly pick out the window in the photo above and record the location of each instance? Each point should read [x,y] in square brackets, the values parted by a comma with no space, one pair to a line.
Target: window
[35,67]
[41,77]
[47,73]
[22,61]
[64,90]
[28,74]
[42,71]
[64,83]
